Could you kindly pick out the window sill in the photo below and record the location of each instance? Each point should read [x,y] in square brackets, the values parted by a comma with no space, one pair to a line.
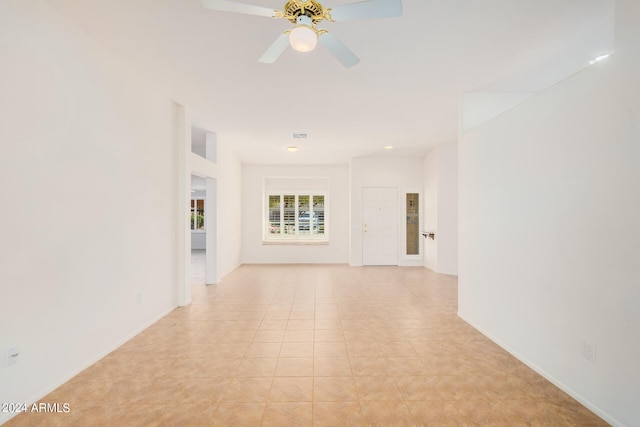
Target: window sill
[295,242]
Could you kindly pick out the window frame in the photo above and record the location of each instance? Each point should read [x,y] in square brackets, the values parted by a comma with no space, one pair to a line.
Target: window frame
[415,234]
[421,222]
[296,237]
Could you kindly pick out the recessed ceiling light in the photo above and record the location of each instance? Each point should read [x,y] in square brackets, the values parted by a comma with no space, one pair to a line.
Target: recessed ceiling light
[598,59]
[388,147]
[292,148]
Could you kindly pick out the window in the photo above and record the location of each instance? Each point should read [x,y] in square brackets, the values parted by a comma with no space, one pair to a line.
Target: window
[413,223]
[197,214]
[296,216]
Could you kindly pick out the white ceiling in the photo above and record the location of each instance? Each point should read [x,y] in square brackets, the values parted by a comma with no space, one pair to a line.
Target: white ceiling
[405,92]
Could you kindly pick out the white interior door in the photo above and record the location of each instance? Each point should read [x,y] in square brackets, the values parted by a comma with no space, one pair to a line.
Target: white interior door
[380,226]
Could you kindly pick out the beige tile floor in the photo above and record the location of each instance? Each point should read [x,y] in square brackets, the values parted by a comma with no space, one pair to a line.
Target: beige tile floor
[321,345]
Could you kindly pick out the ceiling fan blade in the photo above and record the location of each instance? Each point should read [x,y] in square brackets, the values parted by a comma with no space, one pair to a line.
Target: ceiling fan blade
[338,50]
[233,6]
[369,9]
[275,50]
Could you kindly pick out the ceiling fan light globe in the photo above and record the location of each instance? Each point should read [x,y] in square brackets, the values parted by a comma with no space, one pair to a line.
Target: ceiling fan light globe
[303,38]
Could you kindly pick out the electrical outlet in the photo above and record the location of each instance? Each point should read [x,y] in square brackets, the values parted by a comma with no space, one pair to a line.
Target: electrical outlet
[589,351]
[12,355]
[139,298]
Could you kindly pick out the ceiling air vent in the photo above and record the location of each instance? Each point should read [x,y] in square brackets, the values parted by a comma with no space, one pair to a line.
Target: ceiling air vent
[300,136]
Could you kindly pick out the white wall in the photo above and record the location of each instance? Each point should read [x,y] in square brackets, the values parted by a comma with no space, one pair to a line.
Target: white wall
[88,185]
[255,252]
[198,240]
[447,232]
[230,205]
[430,209]
[405,174]
[441,209]
[549,230]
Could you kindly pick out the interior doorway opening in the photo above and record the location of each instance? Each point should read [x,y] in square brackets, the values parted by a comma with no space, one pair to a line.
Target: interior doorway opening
[198,228]
[195,172]
[204,202]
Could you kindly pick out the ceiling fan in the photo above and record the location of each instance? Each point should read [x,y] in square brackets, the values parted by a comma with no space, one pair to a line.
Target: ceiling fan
[306,15]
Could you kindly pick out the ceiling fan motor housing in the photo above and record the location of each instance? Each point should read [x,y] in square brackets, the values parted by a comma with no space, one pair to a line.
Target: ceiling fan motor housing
[311,8]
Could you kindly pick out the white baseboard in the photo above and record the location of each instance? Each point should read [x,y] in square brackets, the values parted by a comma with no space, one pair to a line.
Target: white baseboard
[75,372]
[577,396]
